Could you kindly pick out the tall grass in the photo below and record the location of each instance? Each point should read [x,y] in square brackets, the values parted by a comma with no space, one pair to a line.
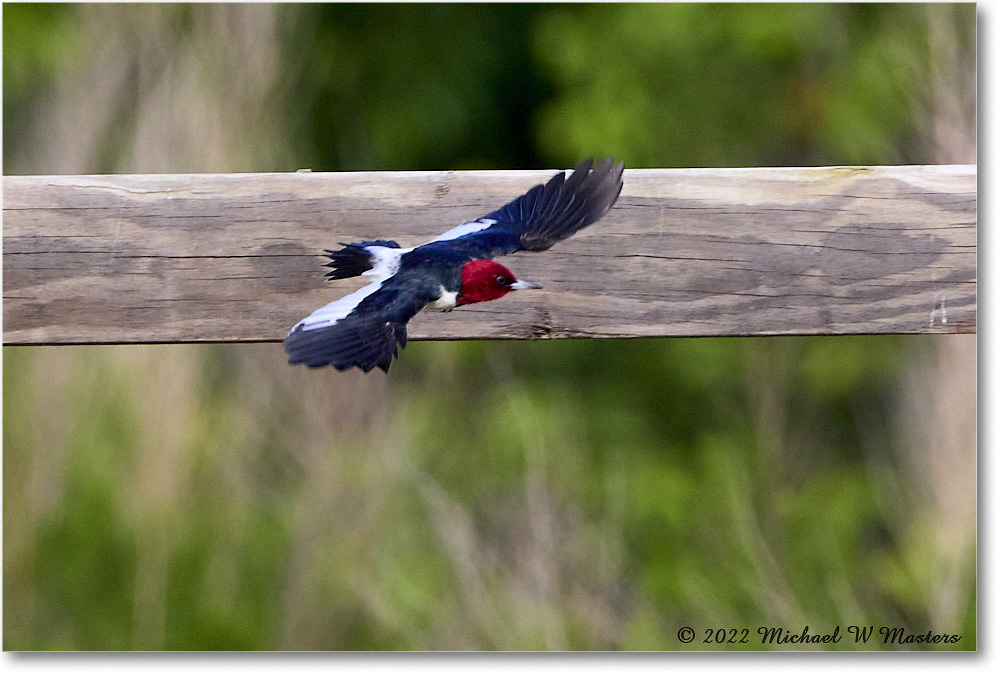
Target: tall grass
[211,497]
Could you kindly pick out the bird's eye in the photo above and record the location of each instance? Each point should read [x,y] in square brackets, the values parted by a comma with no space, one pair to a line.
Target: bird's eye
[503,281]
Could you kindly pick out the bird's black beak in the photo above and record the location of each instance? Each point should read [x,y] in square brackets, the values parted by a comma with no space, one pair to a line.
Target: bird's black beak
[517,285]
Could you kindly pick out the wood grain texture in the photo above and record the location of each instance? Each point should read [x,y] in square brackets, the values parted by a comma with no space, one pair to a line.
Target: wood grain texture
[694,252]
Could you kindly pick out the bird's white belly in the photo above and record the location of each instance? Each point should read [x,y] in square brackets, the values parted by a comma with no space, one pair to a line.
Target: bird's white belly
[446,302]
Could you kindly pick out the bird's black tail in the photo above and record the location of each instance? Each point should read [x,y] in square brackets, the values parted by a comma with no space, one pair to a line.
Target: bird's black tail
[354,259]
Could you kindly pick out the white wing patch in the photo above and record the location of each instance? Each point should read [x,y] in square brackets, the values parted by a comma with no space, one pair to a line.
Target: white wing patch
[386,261]
[327,315]
[464,229]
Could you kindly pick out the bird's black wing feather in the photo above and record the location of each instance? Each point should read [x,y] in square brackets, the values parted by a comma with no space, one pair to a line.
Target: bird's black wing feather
[370,335]
[546,213]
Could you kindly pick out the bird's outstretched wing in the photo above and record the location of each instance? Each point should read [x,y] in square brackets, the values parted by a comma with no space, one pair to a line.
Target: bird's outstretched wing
[367,327]
[363,329]
[544,215]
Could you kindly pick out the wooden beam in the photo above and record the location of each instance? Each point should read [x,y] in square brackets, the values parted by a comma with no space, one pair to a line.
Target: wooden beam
[695,252]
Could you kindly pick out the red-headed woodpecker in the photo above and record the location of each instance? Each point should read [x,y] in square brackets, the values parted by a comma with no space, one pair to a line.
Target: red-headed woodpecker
[365,328]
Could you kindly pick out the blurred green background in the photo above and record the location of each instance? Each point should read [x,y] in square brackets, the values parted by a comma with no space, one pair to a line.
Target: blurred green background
[486,495]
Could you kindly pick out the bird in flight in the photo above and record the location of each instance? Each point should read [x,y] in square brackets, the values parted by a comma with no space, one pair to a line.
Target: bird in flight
[366,328]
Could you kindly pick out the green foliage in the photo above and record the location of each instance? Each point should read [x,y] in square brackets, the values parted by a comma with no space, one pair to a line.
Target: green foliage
[487,495]
[412,87]
[39,41]
[732,85]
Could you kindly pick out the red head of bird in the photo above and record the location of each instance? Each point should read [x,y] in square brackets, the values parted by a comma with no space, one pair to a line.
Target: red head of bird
[484,280]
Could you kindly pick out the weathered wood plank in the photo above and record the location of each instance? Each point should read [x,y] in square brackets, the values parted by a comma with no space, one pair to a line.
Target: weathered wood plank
[190,258]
